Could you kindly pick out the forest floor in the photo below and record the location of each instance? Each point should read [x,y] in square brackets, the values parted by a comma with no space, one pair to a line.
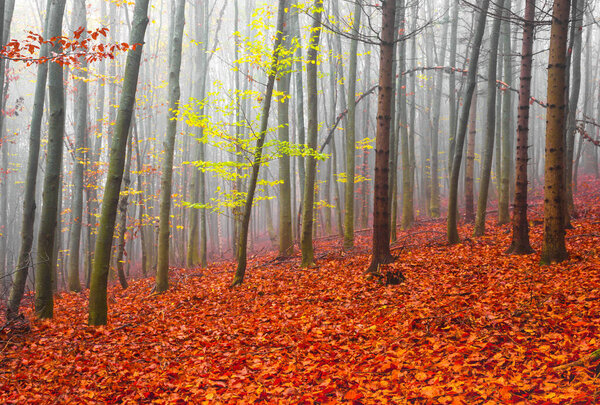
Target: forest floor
[470,325]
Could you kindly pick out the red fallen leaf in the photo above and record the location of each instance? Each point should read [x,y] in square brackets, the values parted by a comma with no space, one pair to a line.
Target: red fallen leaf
[353,395]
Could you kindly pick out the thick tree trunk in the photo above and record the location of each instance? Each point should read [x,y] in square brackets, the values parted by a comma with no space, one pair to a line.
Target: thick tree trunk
[98,309]
[486,172]
[452,223]
[381,207]
[44,304]
[81,125]
[166,181]
[306,242]
[264,122]
[520,237]
[554,248]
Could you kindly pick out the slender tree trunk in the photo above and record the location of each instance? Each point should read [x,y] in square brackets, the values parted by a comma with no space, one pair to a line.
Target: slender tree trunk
[81,125]
[520,237]
[299,99]
[351,134]
[554,248]
[578,8]
[98,309]
[504,198]
[452,224]
[434,202]
[141,200]
[264,122]
[470,163]
[286,237]
[452,87]
[123,205]
[381,207]
[313,127]
[44,304]
[486,172]
[166,181]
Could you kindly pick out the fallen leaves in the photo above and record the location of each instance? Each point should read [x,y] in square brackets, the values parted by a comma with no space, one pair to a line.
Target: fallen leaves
[470,325]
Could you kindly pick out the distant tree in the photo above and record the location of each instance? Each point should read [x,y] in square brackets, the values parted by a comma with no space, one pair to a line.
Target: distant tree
[306,242]
[81,126]
[554,248]
[452,220]
[98,309]
[490,130]
[162,271]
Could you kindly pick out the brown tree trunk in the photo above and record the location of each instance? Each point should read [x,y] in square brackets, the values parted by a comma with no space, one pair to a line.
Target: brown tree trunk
[520,241]
[554,248]
[381,207]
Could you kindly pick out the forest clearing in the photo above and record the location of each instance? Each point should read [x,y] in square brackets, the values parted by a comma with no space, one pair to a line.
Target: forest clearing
[471,324]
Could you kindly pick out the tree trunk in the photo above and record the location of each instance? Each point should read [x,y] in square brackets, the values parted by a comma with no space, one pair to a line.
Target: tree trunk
[313,127]
[520,237]
[452,224]
[44,304]
[123,204]
[98,309]
[381,207]
[453,110]
[554,248]
[81,125]
[286,237]
[351,134]
[486,172]
[166,181]
[264,122]
[504,198]
[470,163]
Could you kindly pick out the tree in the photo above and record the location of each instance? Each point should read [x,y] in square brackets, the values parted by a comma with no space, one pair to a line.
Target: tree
[351,133]
[44,304]
[452,220]
[490,125]
[381,206]
[520,236]
[306,241]
[27,233]
[264,122]
[81,125]
[554,248]
[286,237]
[98,309]
[162,271]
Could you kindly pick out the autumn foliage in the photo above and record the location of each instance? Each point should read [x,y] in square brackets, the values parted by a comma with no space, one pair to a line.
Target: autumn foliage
[470,325]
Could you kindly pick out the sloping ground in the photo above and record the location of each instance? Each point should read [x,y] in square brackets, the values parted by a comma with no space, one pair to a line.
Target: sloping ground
[470,325]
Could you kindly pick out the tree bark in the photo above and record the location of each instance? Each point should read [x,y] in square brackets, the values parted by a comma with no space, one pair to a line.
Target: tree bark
[520,236]
[554,248]
[470,163]
[81,107]
[486,172]
[351,134]
[98,308]
[44,304]
[452,220]
[166,181]
[381,206]
[306,242]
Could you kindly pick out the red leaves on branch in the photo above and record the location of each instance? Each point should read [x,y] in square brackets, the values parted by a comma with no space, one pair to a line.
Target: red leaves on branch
[73,49]
[470,325]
